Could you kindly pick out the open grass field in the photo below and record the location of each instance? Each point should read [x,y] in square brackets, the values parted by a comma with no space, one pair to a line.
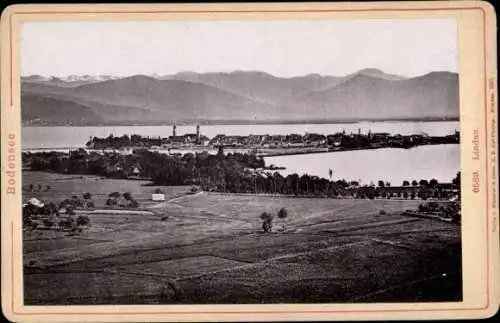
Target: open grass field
[63,186]
[212,250]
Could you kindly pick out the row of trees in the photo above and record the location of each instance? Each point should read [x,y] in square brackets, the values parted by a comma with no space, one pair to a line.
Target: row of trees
[234,173]
[448,210]
[128,200]
[160,168]
[48,216]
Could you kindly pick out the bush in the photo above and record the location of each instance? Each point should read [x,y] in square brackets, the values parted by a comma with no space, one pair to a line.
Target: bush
[49,209]
[87,196]
[267,226]
[82,220]
[91,204]
[127,196]
[114,195]
[164,218]
[382,212]
[66,203]
[266,216]
[433,206]
[67,223]
[282,213]
[267,221]
[70,210]
[133,204]
[76,201]
[27,222]
[48,223]
[111,202]
[194,189]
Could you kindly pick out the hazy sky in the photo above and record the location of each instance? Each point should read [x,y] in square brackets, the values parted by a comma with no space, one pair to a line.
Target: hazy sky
[281,48]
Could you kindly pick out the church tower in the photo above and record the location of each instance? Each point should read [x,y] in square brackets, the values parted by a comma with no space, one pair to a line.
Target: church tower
[198,141]
[174,132]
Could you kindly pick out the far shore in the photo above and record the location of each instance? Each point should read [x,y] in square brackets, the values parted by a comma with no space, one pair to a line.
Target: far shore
[264,152]
[248,122]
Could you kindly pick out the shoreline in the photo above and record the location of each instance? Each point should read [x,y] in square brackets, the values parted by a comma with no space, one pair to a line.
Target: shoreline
[268,152]
[249,122]
[329,150]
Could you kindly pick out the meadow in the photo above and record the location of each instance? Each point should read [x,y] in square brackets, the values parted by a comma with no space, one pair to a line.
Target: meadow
[211,249]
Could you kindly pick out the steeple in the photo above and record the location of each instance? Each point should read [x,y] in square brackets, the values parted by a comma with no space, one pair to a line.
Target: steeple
[198,134]
[174,128]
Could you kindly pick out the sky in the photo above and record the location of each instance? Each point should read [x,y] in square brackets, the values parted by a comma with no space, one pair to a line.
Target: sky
[409,47]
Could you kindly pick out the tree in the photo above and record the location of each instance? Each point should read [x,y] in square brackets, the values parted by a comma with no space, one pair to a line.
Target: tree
[49,209]
[70,210]
[82,220]
[406,183]
[76,201]
[423,182]
[48,223]
[381,184]
[87,196]
[114,195]
[158,191]
[67,223]
[282,213]
[456,180]
[433,182]
[414,183]
[220,151]
[133,204]
[267,220]
[127,196]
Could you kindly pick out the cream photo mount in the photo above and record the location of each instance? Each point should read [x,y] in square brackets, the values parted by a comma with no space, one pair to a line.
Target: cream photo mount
[478,157]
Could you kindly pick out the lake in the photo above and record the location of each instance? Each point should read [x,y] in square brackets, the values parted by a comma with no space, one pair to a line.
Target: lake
[441,162]
[74,137]
[394,165]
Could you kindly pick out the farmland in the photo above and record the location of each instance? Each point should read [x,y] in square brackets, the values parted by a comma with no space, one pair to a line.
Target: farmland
[211,249]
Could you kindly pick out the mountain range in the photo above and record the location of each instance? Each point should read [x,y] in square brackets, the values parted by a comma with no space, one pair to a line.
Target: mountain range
[239,96]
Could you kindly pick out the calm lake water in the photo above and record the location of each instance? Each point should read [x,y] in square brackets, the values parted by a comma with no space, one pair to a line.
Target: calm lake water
[58,137]
[441,162]
[394,165]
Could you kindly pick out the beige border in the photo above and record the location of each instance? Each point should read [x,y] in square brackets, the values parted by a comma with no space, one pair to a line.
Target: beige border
[477,49]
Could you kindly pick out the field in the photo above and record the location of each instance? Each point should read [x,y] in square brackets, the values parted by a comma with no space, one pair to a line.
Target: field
[211,249]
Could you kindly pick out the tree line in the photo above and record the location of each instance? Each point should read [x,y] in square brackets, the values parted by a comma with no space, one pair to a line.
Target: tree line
[231,173]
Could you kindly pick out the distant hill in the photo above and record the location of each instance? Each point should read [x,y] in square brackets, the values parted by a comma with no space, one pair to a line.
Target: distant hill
[260,86]
[69,81]
[40,110]
[432,95]
[240,95]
